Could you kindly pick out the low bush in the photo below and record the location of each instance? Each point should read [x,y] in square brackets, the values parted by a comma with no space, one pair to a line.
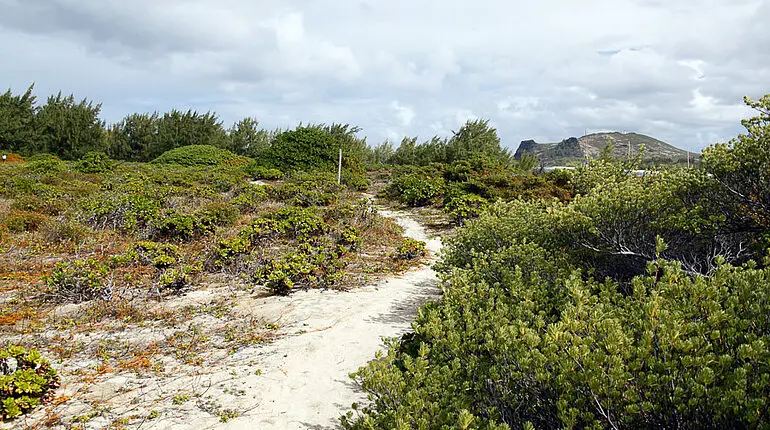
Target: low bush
[465,206]
[79,281]
[46,164]
[257,171]
[308,189]
[410,249]
[23,221]
[64,230]
[95,162]
[160,255]
[249,197]
[416,190]
[307,267]
[196,155]
[27,381]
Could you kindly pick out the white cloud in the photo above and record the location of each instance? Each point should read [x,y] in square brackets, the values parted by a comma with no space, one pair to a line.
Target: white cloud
[405,114]
[676,69]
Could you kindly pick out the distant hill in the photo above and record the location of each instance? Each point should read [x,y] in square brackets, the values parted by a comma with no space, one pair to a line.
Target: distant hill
[572,150]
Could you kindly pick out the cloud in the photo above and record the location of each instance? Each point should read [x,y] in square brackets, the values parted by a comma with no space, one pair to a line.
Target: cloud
[675,69]
[404,114]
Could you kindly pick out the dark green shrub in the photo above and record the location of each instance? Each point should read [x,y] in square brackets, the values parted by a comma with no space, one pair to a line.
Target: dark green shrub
[410,249]
[355,181]
[79,281]
[196,155]
[95,162]
[49,205]
[257,171]
[27,380]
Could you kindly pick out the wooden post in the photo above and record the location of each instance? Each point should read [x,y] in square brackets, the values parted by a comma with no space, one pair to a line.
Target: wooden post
[339,169]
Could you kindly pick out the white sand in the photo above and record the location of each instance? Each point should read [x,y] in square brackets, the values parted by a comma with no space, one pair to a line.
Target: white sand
[304,382]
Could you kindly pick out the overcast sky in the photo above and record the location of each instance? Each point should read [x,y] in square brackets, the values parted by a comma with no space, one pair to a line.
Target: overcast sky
[544,70]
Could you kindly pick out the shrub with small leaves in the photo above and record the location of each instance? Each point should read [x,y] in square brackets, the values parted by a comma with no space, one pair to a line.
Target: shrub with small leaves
[79,281]
[410,249]
[415,189]
[160,255]
[465,206]
[95,162]
[27,380]
[257,171]
[46,164]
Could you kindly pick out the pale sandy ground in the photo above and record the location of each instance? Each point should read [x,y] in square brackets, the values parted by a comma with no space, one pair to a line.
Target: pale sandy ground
[298,381]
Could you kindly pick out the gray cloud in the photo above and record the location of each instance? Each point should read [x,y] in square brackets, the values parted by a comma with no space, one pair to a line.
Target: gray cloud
[547,70]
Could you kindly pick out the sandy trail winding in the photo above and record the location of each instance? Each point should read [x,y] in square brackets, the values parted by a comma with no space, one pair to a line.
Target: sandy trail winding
[304,381]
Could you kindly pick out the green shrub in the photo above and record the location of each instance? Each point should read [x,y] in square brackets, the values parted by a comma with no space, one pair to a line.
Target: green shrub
[95,162]
[120,210]
[50,204]
[160,255]
[410,249]
[249,197]
[64,230]
[308,189]
[46,164]
[177,279]
[21,221]
[415,190]
[257,171]
[26,381]
[196,155]
[187,226]
[307,267]
[355,181]
[466,206]
[79,281]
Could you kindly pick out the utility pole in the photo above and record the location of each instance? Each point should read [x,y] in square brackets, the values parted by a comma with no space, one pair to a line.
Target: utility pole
[339,169]
[688,159]
[629,148]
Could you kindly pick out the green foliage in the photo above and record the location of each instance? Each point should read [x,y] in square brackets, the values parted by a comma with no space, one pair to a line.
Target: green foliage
[160,255]
[249,197]
[27,380]
[308,189]
[46,164]
[245,138]
[465,206]
[79,281]
[94,162]
[69,129]
[144,137]
[21,221]
[307,267]
[195,155]
[475,138]
[257,171]
[741,167]
[416,190]
[187,226]
[177,278]
[410,249]
[17,121]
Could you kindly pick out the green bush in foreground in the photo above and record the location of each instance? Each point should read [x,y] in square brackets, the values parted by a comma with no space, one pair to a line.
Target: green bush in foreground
[518,341]
[26,381]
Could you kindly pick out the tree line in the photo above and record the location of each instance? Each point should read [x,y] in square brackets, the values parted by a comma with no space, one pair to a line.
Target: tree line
[70,128]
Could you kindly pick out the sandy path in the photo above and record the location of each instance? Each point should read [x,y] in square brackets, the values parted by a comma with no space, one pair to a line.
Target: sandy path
[304,381]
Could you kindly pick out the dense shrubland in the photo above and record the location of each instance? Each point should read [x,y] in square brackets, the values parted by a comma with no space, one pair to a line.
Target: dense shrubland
[642,302]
